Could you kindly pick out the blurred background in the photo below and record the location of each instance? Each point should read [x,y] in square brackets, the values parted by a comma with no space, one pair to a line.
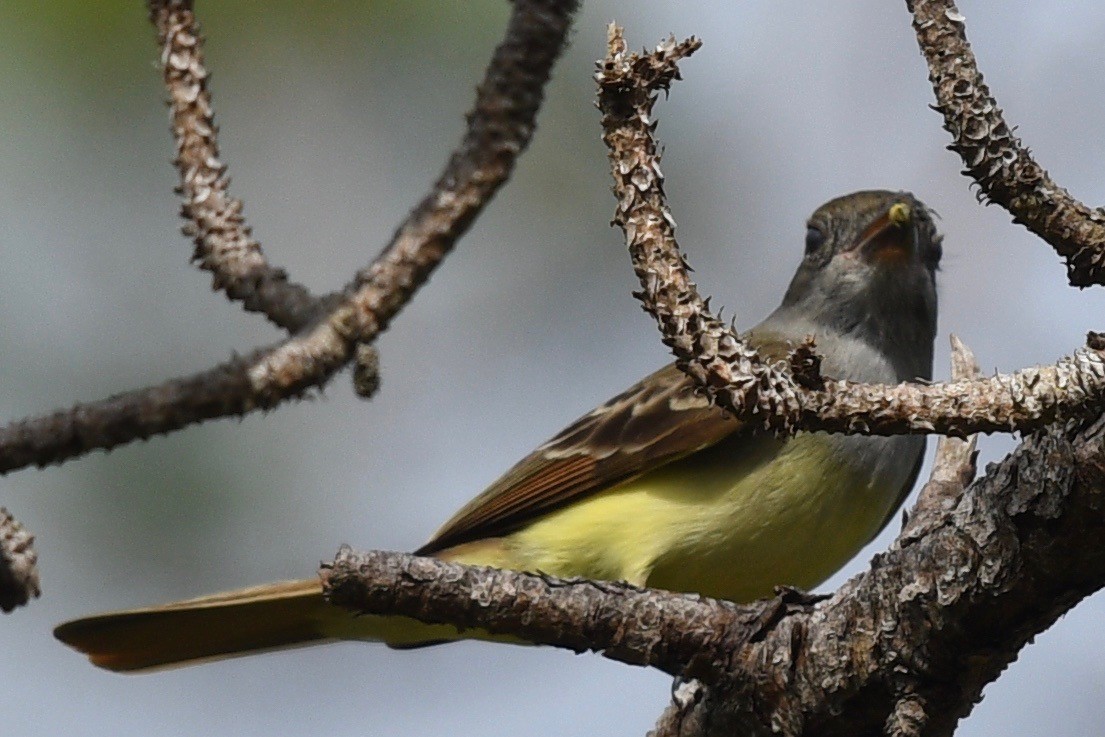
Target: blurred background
[335,118]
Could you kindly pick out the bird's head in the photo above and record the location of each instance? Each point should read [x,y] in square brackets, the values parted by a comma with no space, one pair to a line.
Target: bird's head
[869,270]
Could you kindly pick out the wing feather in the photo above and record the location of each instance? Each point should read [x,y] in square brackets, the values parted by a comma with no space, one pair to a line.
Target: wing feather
[654,422]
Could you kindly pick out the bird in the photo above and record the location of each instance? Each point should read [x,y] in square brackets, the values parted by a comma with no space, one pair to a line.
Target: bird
[657,487]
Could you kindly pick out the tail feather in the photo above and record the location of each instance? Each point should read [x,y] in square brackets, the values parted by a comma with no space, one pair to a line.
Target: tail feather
[270,617]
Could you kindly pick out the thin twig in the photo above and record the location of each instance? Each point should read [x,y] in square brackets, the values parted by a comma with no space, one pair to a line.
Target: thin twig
[225,245]
[18,563]
[1005,171]
[499,128]
[730,371]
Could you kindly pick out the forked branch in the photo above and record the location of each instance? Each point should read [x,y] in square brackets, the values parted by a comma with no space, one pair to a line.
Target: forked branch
[730,371]
[499,129]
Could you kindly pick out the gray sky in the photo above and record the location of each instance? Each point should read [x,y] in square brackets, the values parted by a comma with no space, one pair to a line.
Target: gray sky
[332,135]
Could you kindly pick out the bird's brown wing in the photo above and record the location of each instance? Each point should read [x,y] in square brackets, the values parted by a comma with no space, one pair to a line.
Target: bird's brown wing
[654,422]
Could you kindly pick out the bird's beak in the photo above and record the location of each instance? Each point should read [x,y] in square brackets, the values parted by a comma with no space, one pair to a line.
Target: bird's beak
[889,239]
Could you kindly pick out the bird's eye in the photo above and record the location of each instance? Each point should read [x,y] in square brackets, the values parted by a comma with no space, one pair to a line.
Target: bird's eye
[814,239]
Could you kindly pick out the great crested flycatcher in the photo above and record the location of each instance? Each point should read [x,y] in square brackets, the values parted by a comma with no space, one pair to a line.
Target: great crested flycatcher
[655,487]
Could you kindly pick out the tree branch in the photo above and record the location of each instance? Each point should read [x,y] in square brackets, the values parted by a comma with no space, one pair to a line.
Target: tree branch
[499,129]
[994,157]
[225,245]
[223,391]
[730,372]
[625,623]
[18,563]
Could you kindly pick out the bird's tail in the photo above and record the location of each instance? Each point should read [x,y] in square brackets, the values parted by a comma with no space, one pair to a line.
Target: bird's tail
[239,622]
[274,616]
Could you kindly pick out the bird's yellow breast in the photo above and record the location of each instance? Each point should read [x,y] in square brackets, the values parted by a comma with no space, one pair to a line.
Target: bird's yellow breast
[732,521]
